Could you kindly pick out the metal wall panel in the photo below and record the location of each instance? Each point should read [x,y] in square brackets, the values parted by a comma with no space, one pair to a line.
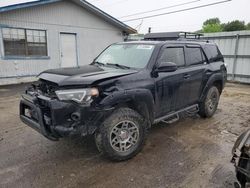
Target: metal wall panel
[93,35]
[229,62]
[235,46]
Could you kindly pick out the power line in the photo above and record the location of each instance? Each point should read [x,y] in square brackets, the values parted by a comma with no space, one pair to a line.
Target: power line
[181,10]
[139,26]
[177,5]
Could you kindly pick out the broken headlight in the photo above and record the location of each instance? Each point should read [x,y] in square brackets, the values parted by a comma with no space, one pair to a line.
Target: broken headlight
[82,96]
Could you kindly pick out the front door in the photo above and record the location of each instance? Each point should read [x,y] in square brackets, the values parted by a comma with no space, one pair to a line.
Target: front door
[68,50]
[170,88]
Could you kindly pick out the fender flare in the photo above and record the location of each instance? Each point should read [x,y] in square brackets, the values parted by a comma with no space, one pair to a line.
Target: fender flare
[214,78]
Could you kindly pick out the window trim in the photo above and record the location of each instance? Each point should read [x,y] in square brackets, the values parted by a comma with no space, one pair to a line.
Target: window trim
[7,57]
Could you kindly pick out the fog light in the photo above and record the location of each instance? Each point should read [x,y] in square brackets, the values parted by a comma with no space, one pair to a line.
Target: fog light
[75,116]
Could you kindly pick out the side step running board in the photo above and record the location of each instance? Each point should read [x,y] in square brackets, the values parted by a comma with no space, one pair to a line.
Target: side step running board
[191,110]
[171,119]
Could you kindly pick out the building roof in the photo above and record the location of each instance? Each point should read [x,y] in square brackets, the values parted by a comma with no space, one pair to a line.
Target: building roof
[82,3]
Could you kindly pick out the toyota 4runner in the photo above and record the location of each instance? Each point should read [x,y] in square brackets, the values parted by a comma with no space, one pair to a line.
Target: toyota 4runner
[126,89]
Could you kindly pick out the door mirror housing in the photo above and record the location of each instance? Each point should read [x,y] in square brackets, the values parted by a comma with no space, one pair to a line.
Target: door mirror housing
[166,67]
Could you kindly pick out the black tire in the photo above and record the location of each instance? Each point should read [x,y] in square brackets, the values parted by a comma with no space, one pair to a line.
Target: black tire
[109,132]
[244,163]
[210,103]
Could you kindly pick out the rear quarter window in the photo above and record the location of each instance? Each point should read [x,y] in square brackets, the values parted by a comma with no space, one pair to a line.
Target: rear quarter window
[213,53]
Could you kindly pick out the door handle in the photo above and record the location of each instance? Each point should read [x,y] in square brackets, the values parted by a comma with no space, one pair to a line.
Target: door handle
[186,76]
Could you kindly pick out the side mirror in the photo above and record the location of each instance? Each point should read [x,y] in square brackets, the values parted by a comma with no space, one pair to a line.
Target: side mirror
[166,67]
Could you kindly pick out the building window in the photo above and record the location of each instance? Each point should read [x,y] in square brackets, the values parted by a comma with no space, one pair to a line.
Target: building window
[24,42]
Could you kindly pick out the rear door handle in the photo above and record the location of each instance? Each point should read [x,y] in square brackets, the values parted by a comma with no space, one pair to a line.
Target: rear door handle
[186,76]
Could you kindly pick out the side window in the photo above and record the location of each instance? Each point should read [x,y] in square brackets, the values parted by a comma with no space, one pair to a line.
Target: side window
[174,55]
[195,55]
[213,53]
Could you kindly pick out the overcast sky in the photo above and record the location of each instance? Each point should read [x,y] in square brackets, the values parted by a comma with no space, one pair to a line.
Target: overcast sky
[183,21]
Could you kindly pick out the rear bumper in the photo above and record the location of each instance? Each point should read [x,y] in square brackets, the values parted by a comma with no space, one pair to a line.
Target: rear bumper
[55,119]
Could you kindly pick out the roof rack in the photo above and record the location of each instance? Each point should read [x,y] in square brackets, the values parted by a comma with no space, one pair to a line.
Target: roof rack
[180,35]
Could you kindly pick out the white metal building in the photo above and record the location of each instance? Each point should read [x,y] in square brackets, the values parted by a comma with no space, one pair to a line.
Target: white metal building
[47,34]
[235,47]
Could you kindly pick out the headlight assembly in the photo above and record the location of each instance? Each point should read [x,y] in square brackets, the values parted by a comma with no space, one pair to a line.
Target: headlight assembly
[81,96]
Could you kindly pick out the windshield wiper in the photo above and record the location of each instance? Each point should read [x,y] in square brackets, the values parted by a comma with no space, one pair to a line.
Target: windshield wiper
[97,63]
[118,65]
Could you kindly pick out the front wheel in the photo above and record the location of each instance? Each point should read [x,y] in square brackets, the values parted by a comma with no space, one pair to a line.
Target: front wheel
[122,135]
[210,103]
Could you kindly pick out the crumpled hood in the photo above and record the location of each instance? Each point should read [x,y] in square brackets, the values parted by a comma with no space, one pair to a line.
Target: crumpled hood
[83,75]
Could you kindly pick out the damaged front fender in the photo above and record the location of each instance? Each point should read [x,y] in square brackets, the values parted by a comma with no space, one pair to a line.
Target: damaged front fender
[134,97]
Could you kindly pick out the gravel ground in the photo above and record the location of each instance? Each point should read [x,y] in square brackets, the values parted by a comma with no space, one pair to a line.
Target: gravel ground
[193,152]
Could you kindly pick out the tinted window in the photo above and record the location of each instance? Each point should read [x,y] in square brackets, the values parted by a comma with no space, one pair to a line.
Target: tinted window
[213,53]
[174,55]
[195,55]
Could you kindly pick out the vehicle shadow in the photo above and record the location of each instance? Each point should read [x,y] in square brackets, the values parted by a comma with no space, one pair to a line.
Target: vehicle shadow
[86,146]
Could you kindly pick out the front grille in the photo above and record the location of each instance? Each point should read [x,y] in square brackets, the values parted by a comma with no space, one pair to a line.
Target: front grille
[47,88]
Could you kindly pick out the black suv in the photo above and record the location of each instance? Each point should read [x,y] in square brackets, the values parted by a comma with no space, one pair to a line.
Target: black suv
[126,89]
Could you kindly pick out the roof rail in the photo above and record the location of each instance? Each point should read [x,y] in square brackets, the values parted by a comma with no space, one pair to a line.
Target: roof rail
[198,40]
[180,35]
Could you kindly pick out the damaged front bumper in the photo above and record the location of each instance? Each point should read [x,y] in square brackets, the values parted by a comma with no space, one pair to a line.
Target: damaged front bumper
[242,146]
[55,119]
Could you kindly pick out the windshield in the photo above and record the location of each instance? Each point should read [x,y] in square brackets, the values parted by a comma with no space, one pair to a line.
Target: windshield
[127,55]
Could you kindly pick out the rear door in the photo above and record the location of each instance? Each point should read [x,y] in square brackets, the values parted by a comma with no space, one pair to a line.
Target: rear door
[196,66]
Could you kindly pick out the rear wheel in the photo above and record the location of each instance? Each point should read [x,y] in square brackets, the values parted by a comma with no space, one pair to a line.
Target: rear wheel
[210,103]
[122,135]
